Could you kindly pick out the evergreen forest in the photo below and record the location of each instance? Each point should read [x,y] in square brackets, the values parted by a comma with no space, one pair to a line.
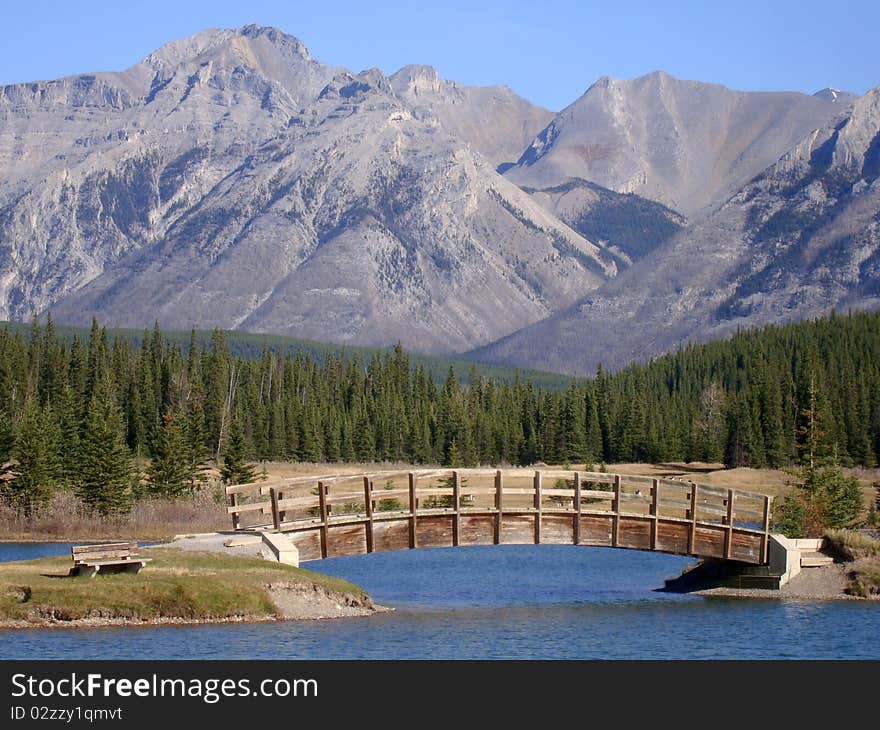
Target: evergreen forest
[114,421]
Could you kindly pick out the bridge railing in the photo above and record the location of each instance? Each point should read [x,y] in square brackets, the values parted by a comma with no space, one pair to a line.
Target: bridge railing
[319,502]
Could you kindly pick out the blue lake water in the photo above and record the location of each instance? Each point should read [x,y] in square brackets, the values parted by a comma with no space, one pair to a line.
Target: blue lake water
[496,602]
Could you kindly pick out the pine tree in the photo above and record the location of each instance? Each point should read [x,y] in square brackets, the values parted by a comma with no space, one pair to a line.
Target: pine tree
[105,476]
[169,473]
[196,449]
[236,469]
[36,466]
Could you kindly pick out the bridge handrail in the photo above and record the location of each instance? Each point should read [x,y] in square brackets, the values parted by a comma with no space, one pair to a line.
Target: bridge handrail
[700,504]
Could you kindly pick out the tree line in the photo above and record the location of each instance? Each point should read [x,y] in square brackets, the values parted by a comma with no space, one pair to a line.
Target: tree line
[115,421]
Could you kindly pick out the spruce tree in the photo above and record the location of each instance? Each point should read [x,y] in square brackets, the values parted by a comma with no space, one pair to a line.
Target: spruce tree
[169,473]
[195,438]
[36,466]
[235,468]
[104,481]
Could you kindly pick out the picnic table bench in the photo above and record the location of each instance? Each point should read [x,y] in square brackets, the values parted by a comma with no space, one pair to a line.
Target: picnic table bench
[111,557]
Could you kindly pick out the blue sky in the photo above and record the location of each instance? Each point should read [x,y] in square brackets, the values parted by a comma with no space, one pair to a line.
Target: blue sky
[549,52]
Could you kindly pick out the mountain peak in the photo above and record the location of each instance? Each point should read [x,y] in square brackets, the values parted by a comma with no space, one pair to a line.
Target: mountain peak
[835,95]
[248,40]
[415,79]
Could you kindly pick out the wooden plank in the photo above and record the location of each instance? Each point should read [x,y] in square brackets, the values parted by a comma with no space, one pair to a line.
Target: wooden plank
[596,530]
[245,489]
[709,541]
[765,542]
[655,503]
[576,527]
[291,503]
[538,508]
[456,504]
[253,507]
[346,540]
[557,493]
[707,490]
[499,512]
[127,547]
[368,505]
[556,529]
[615,507]
[600,477]
[692,514]
[596,494]
[322,504]
[728,537]
[109,555]
[391,535]
[435,531]
[635,532]
[517,530]
[476,530]
[635,480]
[357,496]
[747,547]
[673,536]
[413,505]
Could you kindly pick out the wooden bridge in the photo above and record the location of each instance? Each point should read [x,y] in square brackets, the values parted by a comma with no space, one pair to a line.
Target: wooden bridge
[352,514]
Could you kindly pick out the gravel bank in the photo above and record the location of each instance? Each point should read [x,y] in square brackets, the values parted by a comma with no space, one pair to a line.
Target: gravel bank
[825,583]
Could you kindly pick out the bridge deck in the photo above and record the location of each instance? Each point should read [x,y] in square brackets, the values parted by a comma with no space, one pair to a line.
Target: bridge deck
[351,514]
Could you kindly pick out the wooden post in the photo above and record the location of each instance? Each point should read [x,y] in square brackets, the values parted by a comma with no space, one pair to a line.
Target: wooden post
[368,505]
[412,510]
[615,506]
[499,486]
[276,518]
[537,508]
[655,510]
[236,518]
[692,533]
[282,514]
[456,504]
[728,537]
[576,528]
[322,503]
[765,543]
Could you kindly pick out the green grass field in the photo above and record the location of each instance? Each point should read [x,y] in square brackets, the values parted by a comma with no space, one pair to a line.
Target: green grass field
[179,585]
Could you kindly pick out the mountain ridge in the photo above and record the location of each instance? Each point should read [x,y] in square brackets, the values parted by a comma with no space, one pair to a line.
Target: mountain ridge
[231,180]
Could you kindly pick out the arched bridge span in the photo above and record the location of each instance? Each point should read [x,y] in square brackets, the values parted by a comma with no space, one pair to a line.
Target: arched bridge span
[351,514]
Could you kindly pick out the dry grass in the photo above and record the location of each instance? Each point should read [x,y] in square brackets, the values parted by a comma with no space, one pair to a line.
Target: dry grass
[852,544]
[177,585]
[66,518]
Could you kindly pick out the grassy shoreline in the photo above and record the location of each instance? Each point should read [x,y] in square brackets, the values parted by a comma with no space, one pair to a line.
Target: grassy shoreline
[177,587]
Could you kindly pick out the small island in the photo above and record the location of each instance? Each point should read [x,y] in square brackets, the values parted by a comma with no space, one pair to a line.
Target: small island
[179,587]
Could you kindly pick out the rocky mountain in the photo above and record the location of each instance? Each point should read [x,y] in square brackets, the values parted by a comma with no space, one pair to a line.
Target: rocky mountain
[686,144]
[836,95]
[492,119]
[626,224]
[802,238]
[230,180]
